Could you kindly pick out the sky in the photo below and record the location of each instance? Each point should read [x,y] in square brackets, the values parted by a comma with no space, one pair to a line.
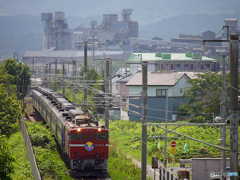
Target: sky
[144,11]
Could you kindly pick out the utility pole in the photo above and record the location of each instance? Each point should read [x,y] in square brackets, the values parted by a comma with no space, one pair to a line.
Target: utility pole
[68,72]
[63,70]
[46,76]
[85,77]
[144,119]
[93,23]
[196,64]
[106,95]
[233,100]
[110,76]
[55,88]
[33,66]
[166,120]
[224,117]
[74,78]
[234,104]
[49,76]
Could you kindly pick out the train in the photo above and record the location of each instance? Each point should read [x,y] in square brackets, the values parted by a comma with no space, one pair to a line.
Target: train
[82,139]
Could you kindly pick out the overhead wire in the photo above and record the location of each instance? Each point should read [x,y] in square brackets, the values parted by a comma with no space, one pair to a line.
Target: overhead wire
[139,140]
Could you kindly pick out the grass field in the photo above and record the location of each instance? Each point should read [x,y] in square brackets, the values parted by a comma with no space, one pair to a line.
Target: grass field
[127,136]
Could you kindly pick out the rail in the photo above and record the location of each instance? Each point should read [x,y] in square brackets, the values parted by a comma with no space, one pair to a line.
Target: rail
[31,157]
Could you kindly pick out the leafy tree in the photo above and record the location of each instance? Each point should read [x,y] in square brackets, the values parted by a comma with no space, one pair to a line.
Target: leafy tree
[18,71]
[92,74]
[220,60]
[9,111]
[6,160]
[204,94]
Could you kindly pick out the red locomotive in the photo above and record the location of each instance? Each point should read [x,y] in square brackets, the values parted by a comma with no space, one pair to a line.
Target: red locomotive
[83,140]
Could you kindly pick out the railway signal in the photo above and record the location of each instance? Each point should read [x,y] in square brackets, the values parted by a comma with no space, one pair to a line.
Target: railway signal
[19,88]
[23,81]
[25,89]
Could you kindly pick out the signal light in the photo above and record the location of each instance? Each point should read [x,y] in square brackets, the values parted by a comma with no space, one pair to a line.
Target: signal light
[23,80]
[19,88]
[25,89]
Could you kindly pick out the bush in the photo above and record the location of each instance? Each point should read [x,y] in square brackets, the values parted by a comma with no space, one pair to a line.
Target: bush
[198,119]
[21,167]
[50,165]
[6,159]
[120,166]
[40,136]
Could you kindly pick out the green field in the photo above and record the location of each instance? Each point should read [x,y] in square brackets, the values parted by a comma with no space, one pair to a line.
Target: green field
[128,135]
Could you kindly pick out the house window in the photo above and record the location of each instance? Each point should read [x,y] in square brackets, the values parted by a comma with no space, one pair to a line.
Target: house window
[185,65]
[116,86]
[207,65]
[177,65]
[161,92]
[181,90]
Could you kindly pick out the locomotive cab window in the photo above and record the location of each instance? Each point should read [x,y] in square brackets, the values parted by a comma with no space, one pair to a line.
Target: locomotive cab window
[89,136]
[100,136]
[77,136]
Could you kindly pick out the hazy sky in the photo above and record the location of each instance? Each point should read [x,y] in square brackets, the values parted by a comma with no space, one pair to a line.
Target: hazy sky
[145,11]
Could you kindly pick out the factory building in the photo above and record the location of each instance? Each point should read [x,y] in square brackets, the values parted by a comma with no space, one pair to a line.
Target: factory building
[173,62]
[56,34]
[111,31]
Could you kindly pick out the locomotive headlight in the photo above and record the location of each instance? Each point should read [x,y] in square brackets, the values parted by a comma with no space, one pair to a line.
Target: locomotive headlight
[99,129]
[78,129]
[74,162]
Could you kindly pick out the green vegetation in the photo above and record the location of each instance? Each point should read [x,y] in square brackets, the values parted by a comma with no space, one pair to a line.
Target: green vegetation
[204,95]
[9,111]
[6,159]
[120,166]
[21,166]
[92,75]
[16,72]
[11,148]
[128,137]
[49,162]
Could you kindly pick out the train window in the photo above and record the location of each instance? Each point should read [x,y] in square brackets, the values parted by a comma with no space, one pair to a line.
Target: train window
[89,136]
[100,136]
[77,136]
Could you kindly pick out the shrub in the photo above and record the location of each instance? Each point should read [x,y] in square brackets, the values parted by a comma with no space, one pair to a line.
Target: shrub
[40,136]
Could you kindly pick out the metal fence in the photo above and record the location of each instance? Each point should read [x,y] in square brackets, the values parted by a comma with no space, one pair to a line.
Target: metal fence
[164,174]
[31,157]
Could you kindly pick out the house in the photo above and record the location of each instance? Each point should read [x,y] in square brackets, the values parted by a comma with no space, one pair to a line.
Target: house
[123,90]
[173,62]
[158,83]
[114,89]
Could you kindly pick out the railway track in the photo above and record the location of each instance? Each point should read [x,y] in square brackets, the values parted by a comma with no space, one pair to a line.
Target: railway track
[35,116]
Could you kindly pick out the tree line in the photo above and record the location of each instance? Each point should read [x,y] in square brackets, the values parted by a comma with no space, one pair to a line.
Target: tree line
[11,75]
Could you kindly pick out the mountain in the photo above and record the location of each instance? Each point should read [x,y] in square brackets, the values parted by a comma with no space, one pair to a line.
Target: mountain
[194,24]
[21,26]
[144,11]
